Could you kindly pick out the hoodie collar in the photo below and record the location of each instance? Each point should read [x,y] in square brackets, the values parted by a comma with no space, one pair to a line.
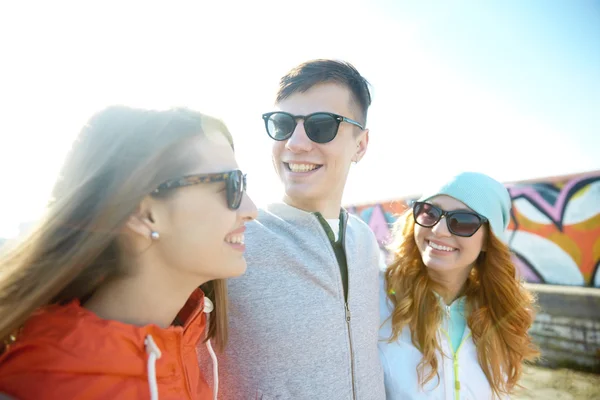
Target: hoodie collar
[291,213]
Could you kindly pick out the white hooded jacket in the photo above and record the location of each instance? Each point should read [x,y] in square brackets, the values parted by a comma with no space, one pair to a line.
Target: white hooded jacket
[460,375]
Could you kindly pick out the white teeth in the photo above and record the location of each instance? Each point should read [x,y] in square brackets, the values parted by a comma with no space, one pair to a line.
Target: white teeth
[235,239]
[439,247]
[302,167]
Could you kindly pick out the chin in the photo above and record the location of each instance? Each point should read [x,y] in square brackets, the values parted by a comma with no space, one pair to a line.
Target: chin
[435,265]
[297,193]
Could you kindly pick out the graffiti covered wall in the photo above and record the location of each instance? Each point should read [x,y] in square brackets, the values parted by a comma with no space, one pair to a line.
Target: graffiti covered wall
[554,228]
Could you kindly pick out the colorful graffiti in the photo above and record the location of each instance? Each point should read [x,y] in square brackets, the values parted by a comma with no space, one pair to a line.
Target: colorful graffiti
[554,229]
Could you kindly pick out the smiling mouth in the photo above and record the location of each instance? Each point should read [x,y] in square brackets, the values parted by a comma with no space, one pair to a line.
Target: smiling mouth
[235,239]
[293,167]
[439,247]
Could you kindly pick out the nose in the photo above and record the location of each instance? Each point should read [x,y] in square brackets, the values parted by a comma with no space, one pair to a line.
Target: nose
[441,228]
[299,141]
[247,211]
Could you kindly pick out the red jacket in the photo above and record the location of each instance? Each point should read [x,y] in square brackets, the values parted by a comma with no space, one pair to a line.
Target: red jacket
[67,352]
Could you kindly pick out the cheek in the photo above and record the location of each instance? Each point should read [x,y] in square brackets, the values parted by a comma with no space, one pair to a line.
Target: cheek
[338,162]
[200,223]
[277,149]
[211,221]
[342,154]
[418,235]
[472,247]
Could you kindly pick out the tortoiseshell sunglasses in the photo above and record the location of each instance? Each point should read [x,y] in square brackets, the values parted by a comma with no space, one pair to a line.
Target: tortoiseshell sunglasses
[235,180]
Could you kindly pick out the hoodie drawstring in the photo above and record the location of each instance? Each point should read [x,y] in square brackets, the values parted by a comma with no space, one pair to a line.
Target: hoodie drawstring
[208,308]
[153,355]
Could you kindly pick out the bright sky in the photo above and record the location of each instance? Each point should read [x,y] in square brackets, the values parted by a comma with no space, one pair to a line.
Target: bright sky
[506,87]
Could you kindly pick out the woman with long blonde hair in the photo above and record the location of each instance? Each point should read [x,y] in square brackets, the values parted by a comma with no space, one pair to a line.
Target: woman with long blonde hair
[455,316]
[109,295]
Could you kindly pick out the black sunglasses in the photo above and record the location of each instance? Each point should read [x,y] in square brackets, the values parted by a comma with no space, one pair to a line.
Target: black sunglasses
[320,127]
[460,223]
[235,180]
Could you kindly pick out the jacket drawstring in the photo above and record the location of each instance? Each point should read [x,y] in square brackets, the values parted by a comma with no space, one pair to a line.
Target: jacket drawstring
[153,355]
[208,307]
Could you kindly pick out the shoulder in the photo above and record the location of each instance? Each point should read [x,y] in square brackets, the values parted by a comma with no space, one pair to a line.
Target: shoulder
[358,224]
[59,375]
[280,215]
[57,385]
[360,231]
[264,222]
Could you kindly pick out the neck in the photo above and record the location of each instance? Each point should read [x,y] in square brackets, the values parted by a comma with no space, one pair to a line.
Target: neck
[328,208]
[142,299]
[451,283]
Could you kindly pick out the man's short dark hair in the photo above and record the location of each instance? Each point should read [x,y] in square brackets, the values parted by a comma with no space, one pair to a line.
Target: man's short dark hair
[314,72]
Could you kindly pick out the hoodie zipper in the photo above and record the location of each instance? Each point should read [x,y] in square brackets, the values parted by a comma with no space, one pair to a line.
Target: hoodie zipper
[342,233]
[446,332]
[344,221]
[351,350]
[455,376]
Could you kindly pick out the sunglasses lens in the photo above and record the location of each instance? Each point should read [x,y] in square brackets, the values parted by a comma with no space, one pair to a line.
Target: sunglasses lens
[321,128]
[235,189]
[463,224]
[280,126]
[426,215]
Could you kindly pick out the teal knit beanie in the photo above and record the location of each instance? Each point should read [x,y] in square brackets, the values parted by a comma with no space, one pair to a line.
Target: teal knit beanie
[482,194]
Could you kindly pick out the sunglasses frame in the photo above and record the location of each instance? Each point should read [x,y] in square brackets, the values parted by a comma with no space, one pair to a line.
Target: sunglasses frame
[336,117]
[446,215]
[196,179]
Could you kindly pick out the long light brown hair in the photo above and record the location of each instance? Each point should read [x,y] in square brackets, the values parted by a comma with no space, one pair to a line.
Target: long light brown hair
[119,157]
[500,310]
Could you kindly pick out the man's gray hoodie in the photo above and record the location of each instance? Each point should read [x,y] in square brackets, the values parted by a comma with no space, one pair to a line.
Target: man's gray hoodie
[292,334]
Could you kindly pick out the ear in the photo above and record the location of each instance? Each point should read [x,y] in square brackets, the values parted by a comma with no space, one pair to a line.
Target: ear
[141,222]
[361,145]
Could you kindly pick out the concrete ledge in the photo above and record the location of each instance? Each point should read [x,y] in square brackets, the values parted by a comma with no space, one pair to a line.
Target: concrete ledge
[576,290]
[567,326]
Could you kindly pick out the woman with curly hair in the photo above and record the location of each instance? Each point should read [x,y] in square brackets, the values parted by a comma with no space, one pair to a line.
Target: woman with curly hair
[455,316]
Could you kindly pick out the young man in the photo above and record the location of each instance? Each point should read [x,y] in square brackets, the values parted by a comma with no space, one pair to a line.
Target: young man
[304,318]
